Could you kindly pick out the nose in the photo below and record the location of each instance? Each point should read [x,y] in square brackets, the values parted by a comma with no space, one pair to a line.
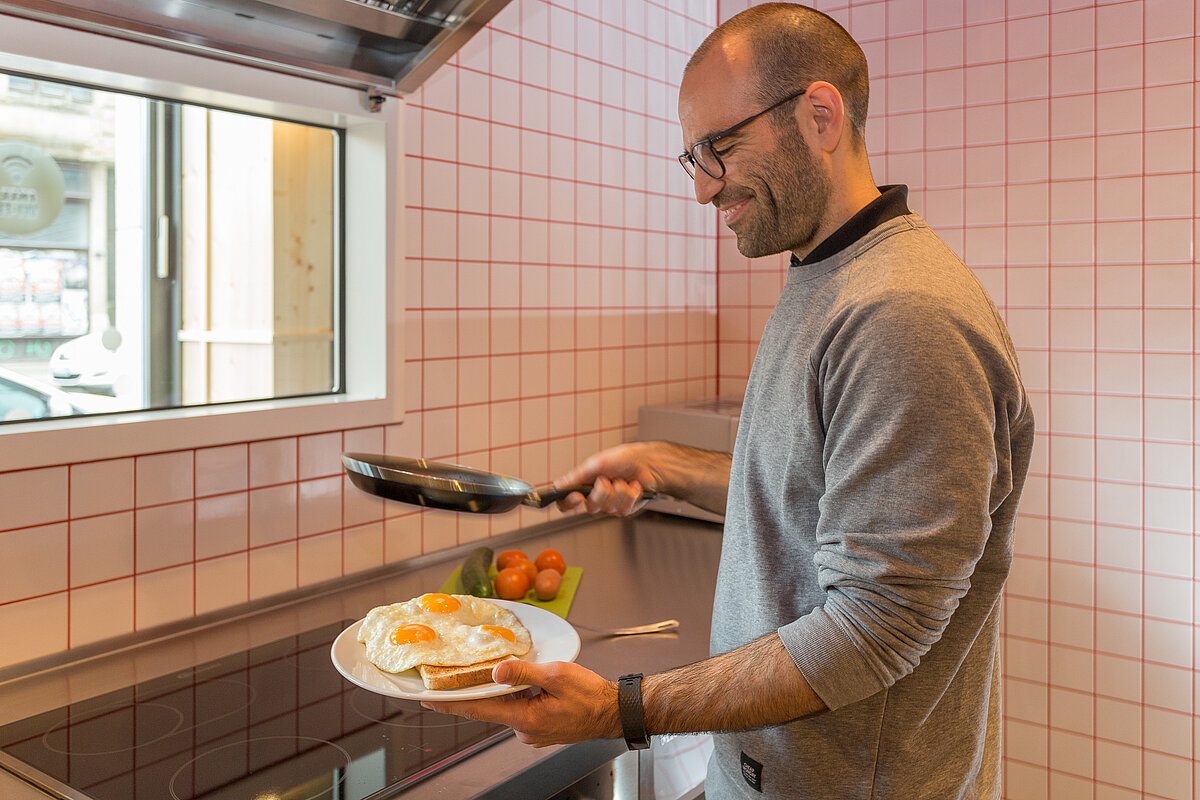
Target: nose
[706,187]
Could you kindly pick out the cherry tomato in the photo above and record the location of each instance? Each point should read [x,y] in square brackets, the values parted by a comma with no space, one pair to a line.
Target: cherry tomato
[551,559]
[526,566]
[511,584]
[547,583]
[508,555]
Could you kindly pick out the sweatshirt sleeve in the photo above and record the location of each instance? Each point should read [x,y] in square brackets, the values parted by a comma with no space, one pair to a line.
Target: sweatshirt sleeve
[910,387]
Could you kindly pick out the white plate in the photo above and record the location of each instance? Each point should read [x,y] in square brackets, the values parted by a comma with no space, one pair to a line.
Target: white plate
[553,640]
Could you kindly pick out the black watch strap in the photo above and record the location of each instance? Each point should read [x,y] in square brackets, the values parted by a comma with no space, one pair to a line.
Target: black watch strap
[629,706]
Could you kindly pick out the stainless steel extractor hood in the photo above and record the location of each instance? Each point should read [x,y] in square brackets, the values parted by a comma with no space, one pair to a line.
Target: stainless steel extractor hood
[389,46]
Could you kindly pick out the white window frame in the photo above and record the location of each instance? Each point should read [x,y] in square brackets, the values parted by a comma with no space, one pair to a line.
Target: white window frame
[374,247]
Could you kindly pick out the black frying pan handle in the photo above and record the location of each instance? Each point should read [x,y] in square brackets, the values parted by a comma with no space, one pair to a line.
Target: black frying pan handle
[543,496]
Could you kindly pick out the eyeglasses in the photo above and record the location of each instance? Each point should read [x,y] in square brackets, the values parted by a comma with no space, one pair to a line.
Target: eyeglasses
[704,154]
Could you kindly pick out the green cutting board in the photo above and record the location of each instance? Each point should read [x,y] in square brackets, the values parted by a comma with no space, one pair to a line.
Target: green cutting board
[561,604]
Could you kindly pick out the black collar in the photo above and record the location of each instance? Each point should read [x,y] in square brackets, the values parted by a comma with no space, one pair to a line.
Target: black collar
[892,202]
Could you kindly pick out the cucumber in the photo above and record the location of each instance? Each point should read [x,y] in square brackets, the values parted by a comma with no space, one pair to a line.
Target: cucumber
[474,573]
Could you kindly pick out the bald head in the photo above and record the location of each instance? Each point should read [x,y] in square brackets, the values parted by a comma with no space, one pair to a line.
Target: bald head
[791,46]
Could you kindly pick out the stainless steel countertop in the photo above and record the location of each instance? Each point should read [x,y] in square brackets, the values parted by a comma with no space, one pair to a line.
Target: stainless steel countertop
[635,571]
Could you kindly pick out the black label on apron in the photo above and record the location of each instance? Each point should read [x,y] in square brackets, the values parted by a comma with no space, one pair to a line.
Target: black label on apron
[752,772]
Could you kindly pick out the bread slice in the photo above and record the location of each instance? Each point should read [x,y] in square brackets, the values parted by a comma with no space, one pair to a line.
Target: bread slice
[436,677]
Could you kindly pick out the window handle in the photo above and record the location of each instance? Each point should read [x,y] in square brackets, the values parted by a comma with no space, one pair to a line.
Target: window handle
[162,241]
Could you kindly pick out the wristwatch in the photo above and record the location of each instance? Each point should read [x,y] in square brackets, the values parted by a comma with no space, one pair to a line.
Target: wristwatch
[629,706]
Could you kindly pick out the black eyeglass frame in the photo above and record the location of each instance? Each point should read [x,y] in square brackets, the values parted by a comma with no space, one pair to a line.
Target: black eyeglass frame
[688,158]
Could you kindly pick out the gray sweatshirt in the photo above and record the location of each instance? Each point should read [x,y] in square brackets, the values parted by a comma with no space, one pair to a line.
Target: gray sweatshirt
[883,444]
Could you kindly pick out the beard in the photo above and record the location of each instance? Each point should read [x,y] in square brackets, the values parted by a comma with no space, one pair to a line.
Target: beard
[790,195]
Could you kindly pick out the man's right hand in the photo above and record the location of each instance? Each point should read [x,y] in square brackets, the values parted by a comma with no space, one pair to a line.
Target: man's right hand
[622,475]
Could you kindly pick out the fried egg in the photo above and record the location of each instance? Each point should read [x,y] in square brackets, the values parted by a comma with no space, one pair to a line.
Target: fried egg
[443,630]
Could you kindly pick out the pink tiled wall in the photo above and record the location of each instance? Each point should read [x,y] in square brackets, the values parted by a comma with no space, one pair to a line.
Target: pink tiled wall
[1052,143]
[559,276]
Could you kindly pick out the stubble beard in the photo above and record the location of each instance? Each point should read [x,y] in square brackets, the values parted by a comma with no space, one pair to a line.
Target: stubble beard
[791,196]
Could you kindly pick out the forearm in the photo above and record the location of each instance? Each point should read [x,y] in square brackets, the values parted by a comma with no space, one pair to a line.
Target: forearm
[700,477]
[753,686]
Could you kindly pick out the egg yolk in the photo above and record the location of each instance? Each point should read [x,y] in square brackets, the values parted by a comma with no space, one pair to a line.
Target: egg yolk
[411,634]
[496,630]
[438,602]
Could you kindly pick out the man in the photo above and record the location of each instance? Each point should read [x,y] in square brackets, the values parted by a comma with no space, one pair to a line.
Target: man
[871,495]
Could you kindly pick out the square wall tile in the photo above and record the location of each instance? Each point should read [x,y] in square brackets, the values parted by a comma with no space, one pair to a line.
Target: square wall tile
[439,530]
[1169,732]
[102,611]
[164,536]
[320,509]
[164,478]
[101,548]
[363,547]
[167,595]
[358,506]
[222,582]
[363,440]
[401,538]
[1071,752]
[273,570]
[319,558]
[101,487]
[33,628]
[222,524]
[441,383]
[33,562]
[1168,686]
[272,461]
[33,497]
[222,469]
[272,514]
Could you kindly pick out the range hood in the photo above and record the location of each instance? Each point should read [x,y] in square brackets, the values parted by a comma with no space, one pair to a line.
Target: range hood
[382,46]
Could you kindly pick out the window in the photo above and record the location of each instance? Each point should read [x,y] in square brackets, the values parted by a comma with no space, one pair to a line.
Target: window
[228,251]
[166,254]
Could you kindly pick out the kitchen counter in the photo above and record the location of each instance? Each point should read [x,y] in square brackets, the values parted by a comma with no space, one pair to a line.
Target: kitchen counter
[635,571]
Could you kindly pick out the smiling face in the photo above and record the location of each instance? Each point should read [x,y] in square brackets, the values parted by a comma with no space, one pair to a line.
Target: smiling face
[775,193]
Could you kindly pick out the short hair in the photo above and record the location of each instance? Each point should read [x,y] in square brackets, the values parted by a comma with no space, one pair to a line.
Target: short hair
[793,45]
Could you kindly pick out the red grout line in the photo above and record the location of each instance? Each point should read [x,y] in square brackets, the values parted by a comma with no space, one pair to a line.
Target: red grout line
[1192,730]
[249,482]
[1050,600]
[1095,695]
[134,535]
[70,588]
[1142,425]
[457,446]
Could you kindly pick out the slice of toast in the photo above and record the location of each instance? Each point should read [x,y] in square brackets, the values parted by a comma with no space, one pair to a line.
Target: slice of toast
[436,677]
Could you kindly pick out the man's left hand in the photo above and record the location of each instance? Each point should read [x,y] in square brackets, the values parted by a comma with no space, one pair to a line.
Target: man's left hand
[574,705]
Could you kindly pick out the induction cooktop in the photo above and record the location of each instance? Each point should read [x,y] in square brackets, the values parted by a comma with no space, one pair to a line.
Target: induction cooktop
[276,721]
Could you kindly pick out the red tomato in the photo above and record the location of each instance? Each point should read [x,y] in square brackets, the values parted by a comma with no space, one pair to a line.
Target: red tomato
[511,584]
[546,584]
[526,566]
[508,555]
[551,559]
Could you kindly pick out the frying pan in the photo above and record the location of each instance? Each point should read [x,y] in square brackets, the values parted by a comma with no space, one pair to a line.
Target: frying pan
[450,486]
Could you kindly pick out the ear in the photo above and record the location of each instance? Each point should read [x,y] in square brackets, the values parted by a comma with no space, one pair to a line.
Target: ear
[828,114]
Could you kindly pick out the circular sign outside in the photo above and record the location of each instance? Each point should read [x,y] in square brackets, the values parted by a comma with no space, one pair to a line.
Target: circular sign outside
[32,188]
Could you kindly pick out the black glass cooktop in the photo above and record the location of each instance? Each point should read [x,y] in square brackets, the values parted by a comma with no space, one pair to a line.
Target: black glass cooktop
[275,721]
